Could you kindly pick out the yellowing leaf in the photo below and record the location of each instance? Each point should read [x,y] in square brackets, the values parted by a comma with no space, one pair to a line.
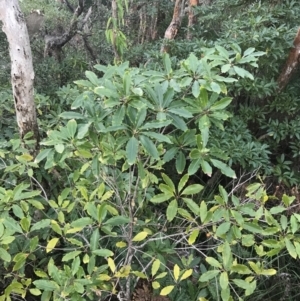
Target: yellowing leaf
[186,274]
[111,264]
[124,272]
[121,244]
[25,157]
[51,244]
[155,266]
[265,198]
[140,236]
[35,292]
[74,230]
[193,236]
[161,275]
[86,258]
[166,290]
[268,272]
[139,274]
[155,285]
[103,277]
[149,231]
[176,271]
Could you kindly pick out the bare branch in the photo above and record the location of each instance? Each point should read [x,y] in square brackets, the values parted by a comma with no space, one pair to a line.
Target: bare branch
[54,44]
[70,7]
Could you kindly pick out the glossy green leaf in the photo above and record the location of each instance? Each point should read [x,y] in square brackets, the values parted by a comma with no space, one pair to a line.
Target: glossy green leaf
[206,168]
[117,221]
[157,136]
[223,228]
[291,248]
[221,104]
[183,182]
[149,146]
[71,115]
[82,222]
[224,280]
[225,169]
[192,189]
[11,224]
[167,63]
[204,125]
[118,116]
[70,255]
[94,240]
[213,262]
[46,285]
[180,162]
[227,256]
[172,210]
[92,77]
[215,87]
[192,206]
[4,255]
[209,275]
[72,128]
[132,149]
[103,252]
[194,166]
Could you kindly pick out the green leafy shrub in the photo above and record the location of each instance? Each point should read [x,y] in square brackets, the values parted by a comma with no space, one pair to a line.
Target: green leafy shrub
[113,195]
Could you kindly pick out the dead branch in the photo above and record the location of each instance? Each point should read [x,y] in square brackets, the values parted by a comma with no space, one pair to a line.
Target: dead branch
[54,44]
[70,7]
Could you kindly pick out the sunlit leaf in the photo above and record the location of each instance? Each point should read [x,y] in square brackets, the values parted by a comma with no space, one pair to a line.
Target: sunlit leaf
[51,244]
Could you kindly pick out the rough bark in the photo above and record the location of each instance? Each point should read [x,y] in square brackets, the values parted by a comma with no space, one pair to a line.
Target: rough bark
[22,74]
[192,19]
[291,64]
[54,44]
[172,30]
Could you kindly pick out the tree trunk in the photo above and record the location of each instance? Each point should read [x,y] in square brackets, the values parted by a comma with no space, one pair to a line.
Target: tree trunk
[291,63]
[114,9]
[153,22]
[172,30]
[192,18]
[22,74]
[143,25]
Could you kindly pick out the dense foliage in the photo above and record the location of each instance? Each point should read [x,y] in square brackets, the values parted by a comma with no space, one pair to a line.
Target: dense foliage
[165,174]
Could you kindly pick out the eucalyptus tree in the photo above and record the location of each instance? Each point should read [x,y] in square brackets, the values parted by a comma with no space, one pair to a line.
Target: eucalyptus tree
[22,74]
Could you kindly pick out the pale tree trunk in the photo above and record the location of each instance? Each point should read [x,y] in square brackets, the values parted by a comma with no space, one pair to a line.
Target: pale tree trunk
[291,64]
[114,9]
[192,18]
[172,30]
[22,74]
[143,25]
[153,22]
